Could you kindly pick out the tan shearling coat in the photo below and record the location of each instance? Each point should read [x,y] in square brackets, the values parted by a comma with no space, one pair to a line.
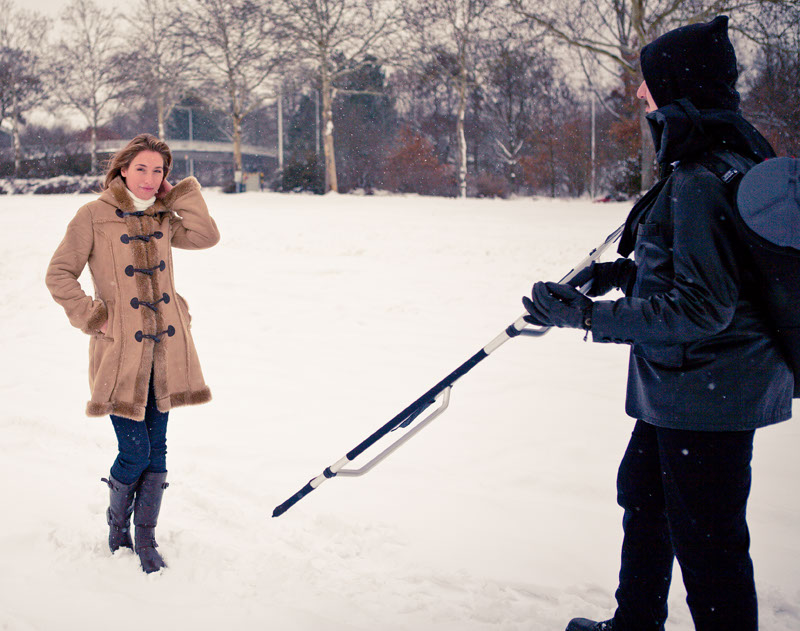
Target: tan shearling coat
[130,258]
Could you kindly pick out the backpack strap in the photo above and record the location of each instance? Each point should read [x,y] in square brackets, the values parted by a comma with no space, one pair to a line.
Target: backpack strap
[731,168]
[727,166]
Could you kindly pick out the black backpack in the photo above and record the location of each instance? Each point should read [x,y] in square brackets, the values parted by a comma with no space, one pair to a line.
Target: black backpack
[767,219]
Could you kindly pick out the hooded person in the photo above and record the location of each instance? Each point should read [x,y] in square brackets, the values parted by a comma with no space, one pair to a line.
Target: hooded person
[705,369]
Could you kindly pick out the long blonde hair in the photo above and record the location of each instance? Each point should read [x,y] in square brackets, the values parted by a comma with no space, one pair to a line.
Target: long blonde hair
[124,157]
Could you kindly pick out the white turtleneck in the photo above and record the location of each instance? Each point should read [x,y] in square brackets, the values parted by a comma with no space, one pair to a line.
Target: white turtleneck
[141,204]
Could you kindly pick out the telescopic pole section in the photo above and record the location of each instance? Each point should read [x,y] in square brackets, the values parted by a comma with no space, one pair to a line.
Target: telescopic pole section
[412,410]
[410,413]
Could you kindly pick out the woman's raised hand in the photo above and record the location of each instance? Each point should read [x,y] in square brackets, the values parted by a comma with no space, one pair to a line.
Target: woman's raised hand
[165,188]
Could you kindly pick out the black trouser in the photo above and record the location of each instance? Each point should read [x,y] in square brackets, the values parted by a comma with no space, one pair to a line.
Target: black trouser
[685,496]
[142,444]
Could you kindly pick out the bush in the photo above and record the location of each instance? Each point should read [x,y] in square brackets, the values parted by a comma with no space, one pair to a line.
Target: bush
[61,187]
[623,178]
[65,184]
[414,168]
[302,174]
[491,185]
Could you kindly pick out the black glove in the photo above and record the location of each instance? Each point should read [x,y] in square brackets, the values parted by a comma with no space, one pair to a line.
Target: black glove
[552,304]
[620,274]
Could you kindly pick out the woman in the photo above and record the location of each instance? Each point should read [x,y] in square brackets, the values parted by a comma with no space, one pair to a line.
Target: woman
[142,361]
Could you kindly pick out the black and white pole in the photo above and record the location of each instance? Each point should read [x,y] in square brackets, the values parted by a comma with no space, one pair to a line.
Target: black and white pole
[441,389]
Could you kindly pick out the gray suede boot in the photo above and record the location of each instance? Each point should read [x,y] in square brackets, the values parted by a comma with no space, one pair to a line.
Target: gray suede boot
[145,517]
[118,515]
[582,624]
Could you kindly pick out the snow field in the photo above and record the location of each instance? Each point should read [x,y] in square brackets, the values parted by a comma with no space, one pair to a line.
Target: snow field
[317,319]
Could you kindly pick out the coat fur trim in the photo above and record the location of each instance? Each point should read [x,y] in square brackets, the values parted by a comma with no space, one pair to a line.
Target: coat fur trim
[96,319]
[190,398]
[120,197]
[187,185]
[126,410]
[134,411]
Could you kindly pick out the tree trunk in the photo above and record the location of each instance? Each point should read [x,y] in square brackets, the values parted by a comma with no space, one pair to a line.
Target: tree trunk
[15,135]
[280,131]
[93,147]
[331,183]
[161,116]
[462,140]
[237,143]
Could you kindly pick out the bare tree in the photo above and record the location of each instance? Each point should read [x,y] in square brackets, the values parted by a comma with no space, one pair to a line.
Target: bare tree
[161,55]
[86,74]
[457,28]
[237,50]
[615,30]
[336,38]
[771,23]
[22,34]
[519,80]
[773,97]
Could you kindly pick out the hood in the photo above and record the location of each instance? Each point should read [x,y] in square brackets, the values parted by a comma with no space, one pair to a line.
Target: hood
[695,62]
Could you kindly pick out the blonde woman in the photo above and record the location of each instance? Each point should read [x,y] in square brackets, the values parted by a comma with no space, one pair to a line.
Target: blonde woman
[142,360]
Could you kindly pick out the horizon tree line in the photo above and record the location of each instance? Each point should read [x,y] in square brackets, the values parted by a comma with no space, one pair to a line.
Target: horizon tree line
[473,96]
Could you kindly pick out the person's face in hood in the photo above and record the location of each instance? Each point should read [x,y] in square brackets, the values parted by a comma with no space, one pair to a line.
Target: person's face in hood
[644,93]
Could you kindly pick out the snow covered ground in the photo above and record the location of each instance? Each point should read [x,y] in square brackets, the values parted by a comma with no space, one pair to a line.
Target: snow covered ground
[316,320]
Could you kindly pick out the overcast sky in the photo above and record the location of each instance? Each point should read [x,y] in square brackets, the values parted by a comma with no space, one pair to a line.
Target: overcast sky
[54,8]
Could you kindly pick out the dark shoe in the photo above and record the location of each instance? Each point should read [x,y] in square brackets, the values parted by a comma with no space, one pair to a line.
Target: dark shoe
[582,624]
[118,515]
[145,517]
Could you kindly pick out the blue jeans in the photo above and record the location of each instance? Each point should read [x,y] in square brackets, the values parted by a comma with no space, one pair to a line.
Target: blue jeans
[685,496]
[142,444]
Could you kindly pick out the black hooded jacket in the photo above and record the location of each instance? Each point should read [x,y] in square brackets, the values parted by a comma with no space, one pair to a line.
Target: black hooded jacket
[702,357]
